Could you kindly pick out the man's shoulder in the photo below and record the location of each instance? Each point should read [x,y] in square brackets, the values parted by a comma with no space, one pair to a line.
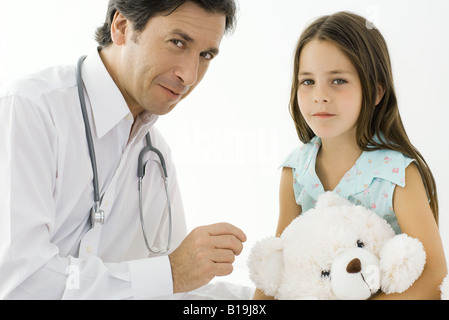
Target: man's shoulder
[36,85]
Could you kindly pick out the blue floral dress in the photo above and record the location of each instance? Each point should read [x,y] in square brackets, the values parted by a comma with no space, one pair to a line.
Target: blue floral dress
[370,182]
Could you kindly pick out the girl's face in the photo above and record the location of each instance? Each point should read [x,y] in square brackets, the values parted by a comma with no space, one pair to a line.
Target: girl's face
[329,90]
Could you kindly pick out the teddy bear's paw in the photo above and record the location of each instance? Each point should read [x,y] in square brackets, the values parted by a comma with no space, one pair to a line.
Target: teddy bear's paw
[445,289]
[402,261]
[266,265]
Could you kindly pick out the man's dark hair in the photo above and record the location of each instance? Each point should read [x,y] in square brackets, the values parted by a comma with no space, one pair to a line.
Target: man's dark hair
[140,11]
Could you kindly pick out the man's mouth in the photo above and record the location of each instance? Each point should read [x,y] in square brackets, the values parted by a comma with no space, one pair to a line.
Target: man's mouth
[173,93]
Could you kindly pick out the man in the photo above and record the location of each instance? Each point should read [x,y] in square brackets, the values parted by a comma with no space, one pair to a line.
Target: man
[152,54]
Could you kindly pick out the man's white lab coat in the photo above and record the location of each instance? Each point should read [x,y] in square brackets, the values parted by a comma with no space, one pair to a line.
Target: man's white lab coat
[47,247]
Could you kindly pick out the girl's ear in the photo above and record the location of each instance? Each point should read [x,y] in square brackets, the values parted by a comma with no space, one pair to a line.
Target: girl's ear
[380,93]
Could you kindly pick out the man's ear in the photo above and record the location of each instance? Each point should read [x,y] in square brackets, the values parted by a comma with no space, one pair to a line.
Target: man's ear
[118,29]
[380,93]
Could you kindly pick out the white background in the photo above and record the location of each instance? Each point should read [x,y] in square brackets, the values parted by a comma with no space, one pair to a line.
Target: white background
[231,134]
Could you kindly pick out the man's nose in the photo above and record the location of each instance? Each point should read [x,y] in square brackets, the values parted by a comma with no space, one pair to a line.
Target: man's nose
[188,71]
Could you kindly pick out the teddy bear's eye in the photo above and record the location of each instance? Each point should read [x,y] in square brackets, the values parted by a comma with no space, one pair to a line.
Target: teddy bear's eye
[360,244]
[325,274]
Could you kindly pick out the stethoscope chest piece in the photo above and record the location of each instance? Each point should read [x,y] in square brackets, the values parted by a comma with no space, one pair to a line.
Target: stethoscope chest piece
[97,216]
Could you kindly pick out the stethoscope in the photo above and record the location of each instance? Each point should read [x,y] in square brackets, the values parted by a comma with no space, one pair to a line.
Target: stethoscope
[96,214]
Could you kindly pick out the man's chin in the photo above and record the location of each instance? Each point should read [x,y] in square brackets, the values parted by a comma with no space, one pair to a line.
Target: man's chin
[161,110]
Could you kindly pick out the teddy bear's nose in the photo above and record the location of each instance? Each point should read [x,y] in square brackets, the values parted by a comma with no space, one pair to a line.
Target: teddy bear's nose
[354,266]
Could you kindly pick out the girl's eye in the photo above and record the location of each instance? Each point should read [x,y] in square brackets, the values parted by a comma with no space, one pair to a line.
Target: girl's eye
[339,81]
[307,82]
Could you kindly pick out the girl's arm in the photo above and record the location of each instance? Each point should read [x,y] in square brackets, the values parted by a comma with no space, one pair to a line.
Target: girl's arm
[415,219]
[288,210]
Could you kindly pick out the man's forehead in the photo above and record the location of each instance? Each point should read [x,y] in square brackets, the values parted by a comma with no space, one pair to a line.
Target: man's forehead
[191,18]
[193,25]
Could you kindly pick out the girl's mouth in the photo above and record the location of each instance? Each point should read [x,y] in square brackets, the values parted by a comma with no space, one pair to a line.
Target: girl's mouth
[323,115]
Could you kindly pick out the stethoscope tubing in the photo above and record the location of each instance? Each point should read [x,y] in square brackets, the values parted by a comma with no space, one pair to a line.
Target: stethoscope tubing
[97,215]
[90,144]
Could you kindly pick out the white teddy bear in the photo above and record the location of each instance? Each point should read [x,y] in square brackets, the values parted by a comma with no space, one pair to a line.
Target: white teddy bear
[337,250]
[445,289]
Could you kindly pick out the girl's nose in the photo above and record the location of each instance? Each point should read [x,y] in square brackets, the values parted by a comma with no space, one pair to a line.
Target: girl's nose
[320,95]
[321,100]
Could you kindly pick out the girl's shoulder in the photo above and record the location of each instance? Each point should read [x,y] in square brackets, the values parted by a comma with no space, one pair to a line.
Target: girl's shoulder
[388,165]
[302,155]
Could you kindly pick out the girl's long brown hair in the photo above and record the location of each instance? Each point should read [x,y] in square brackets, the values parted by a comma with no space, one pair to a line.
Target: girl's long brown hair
[366,48]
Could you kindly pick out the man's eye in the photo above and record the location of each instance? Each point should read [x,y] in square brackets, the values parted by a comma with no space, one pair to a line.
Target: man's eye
[178,43]
[207,55]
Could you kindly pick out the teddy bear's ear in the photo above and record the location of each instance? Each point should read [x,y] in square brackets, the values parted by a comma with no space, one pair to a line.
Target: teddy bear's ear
[329,199]
[402,261]
[266,265]
[445,289]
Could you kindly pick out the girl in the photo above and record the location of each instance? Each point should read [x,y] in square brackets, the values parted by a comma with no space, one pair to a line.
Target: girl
[345,111]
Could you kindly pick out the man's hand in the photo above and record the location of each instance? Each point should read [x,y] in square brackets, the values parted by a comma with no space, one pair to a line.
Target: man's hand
[206,252]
